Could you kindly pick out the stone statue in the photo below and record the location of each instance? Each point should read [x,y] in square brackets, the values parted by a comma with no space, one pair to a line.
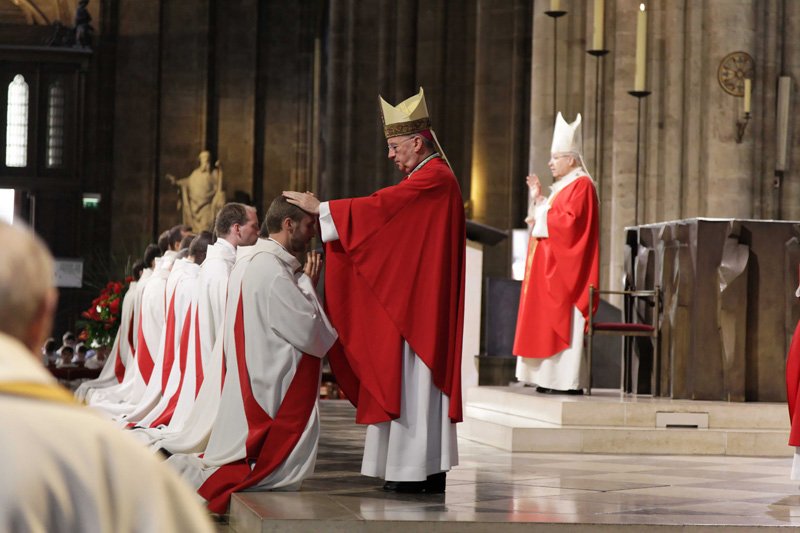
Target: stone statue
[84,31]
[201,194]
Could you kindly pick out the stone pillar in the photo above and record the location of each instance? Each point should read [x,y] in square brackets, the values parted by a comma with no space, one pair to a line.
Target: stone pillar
[498,153]
[135,126]
[789,195]
[236,71]
[184,86]
[727,169]
[289,33]
[622,171]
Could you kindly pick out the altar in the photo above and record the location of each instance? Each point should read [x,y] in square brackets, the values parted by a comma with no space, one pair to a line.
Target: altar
[729,308]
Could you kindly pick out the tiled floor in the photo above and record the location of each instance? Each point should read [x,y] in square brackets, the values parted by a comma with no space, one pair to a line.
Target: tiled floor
[494,486]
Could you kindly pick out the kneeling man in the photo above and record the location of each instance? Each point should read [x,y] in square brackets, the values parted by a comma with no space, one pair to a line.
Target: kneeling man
[275,333]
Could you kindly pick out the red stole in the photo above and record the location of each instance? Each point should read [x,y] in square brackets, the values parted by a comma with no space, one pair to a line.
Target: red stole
[166,415]
[397,272]
[269,441]
[119,366]
[143,357]
[198,356]
[558,272]
[169,343]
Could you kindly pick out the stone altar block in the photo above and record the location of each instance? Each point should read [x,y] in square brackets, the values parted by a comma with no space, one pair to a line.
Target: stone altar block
[729,306]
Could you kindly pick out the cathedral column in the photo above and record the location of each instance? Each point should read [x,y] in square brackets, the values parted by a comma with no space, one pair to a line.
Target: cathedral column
[727,168]
[499,125]
[622,171]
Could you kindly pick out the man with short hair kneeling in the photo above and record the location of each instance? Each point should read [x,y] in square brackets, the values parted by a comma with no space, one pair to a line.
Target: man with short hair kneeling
[275,333]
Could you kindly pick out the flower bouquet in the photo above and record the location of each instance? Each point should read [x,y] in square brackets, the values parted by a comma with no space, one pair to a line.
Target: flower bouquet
[101,321]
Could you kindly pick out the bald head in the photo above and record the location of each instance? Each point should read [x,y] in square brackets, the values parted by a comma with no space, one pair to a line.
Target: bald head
[27,294]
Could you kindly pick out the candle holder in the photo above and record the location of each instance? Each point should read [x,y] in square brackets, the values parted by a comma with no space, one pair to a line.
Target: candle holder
[598,55]
[741,125]
[555,15]
[640,96]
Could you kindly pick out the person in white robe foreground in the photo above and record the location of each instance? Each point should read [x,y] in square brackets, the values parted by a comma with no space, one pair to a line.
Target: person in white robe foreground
[198,400]
[266,432]
[63,467]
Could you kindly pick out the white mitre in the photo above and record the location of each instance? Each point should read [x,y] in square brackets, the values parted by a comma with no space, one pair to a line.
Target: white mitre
[567,137]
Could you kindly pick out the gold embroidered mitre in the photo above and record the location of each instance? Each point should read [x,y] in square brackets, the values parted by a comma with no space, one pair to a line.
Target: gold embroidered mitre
[407,117]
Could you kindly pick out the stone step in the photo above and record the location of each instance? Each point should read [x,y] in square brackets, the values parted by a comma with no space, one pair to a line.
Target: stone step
[608,408]
[520,434]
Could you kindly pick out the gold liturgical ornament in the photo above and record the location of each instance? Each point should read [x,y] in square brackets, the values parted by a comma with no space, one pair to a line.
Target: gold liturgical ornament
[733,69]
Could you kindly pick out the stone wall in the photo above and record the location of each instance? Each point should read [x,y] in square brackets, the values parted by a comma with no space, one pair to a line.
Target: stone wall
[285,95]
[690,162]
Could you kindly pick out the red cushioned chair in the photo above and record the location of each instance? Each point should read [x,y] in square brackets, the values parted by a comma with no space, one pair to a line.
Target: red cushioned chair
[629,328]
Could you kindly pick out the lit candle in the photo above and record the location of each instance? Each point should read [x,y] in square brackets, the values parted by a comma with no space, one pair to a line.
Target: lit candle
[641,49]
[555,5]
[597,40]
[747,89]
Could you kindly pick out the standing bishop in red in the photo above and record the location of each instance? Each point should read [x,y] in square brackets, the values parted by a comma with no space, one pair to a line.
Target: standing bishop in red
[394,288]
[563,257]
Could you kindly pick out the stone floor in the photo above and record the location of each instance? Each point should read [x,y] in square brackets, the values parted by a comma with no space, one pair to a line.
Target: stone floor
[501,490]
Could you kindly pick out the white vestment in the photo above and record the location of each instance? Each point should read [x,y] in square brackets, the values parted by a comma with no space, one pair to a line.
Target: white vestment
[151,329]
[565,370]
[194,414]
[423,440]
[65,469]
[282,320]
[180,291]
[121,350]
[103,398]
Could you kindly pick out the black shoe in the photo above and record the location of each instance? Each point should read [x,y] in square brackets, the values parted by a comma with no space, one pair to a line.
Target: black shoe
[405,487]
[436,483]
[544,390]
[568,392]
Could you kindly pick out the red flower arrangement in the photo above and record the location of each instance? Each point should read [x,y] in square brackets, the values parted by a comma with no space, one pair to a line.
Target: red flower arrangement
[101,320]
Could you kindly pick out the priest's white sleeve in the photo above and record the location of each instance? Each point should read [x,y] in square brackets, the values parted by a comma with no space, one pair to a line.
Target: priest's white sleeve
[540,220]
[326,225]
[295,314]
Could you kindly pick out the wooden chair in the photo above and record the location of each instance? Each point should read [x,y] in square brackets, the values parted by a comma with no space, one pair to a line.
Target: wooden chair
[630,327]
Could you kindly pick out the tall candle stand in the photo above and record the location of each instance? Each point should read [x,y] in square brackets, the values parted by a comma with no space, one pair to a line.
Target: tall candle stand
[555,15]
[640,96]
[598,55]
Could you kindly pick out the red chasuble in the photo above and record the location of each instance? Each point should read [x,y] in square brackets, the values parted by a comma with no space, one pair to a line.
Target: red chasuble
[558,272]
[793,384]
[397,272]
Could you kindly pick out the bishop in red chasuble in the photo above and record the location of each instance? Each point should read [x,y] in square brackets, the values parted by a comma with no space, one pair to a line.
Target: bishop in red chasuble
[394,289]
[563,258]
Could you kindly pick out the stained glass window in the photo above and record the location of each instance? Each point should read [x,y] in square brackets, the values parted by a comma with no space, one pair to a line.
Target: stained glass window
[55,124]
[17,123]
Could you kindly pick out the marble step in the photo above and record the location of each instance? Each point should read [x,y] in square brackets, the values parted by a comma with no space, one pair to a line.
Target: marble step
[521,434]
[607,407]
